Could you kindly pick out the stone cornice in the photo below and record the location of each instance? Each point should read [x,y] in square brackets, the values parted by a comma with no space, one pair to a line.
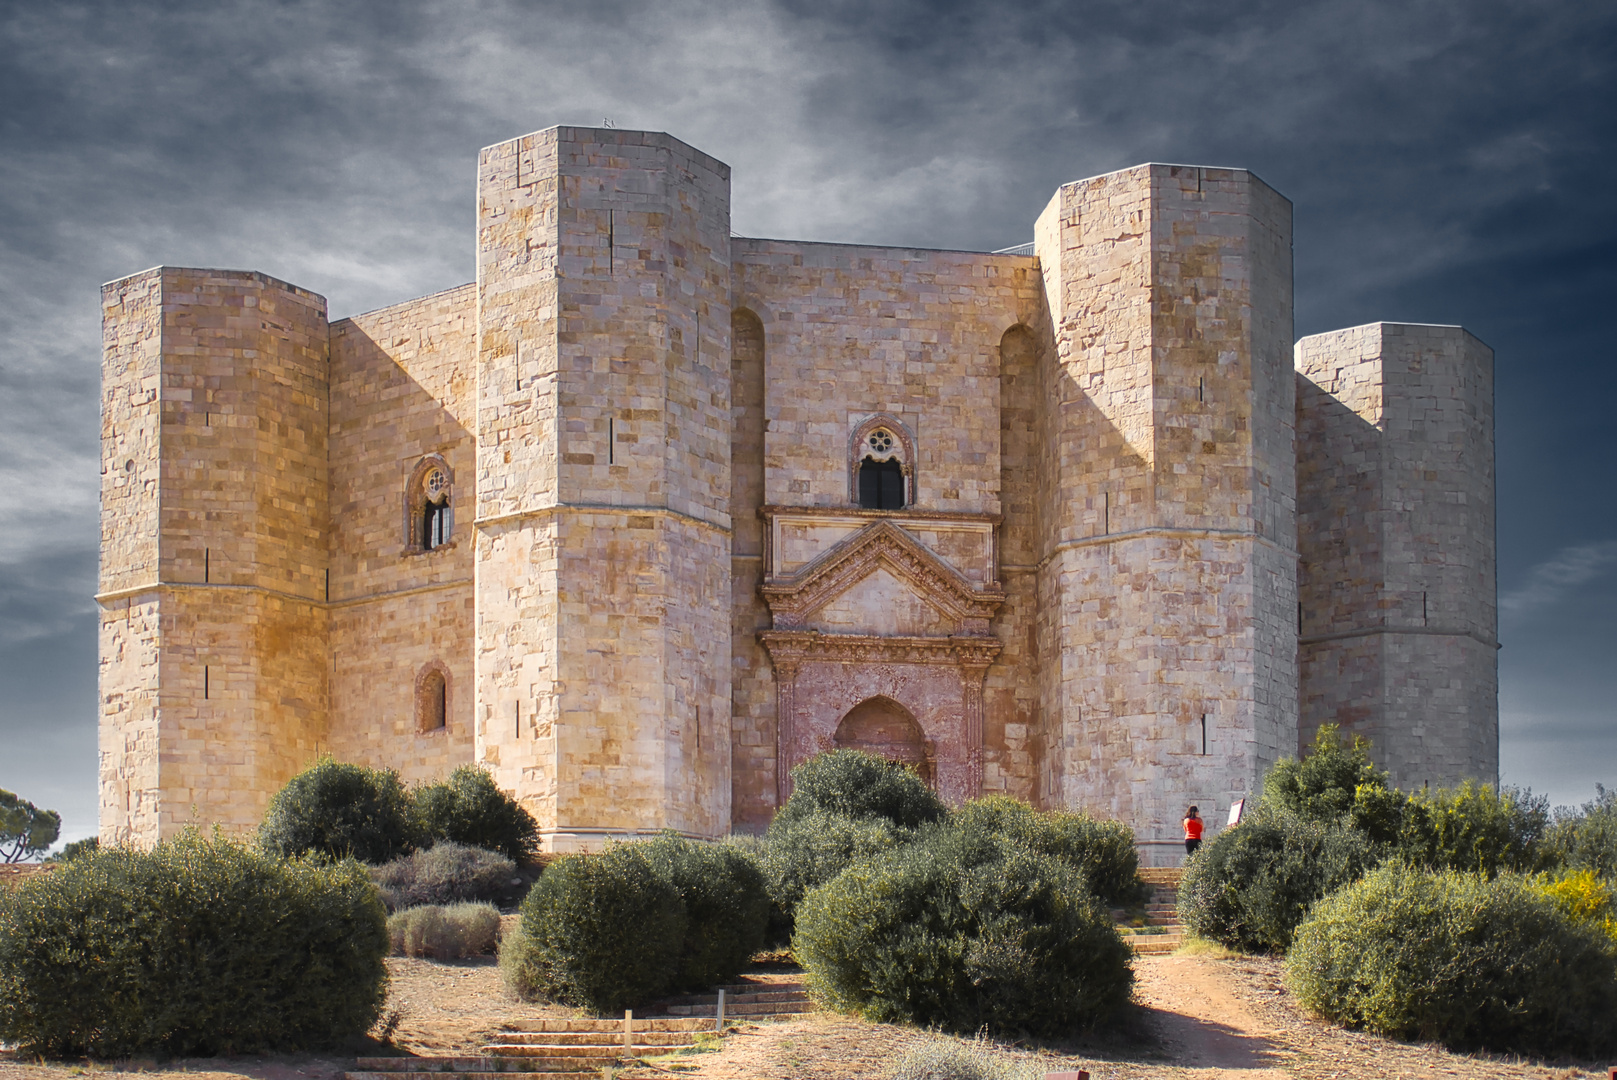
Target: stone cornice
[791,647]
[908,514]
[794,598]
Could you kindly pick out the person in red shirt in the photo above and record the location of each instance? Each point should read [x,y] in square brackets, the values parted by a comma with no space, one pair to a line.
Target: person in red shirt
[1193,831]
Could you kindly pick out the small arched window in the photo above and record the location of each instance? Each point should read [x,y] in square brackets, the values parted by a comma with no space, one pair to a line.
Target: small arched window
[432,699]
[881,472]
[429,506]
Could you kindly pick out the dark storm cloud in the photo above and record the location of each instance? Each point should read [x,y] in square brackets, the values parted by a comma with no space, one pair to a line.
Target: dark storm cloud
[1445,160]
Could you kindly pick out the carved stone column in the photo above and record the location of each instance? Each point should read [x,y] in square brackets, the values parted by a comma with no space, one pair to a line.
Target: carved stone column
[975,657]
[785,728]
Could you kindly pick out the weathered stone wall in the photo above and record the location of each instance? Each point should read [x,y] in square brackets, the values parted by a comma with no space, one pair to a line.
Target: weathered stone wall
[402,388]
[851,332]
[1169,564]
[603,592]
[1396,531]
[213,557]
[1091,599]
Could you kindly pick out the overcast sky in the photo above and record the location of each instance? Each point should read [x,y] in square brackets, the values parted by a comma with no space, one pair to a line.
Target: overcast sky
[1448,162]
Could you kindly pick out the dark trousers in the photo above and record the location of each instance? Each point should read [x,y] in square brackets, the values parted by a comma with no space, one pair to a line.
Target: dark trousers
[1191,846]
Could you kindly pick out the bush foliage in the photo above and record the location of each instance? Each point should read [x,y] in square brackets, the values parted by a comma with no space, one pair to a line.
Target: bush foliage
[1472,827]
[805,852]
[1251,885]
[1324,783]
[1583,897]
[445,873]
[339,811]
[1458,958]
[854,784]
[468,808]
[726,907]
[601,932]
[962,929]
[1102,850]
[950,1059]
[444,932]
[1586,838]
[198,947]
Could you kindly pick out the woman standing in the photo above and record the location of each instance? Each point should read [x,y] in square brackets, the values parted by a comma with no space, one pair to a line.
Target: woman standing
[1193,831]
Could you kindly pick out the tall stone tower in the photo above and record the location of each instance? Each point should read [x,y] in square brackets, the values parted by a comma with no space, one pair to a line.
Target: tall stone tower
[603,481]
[213,546]
[1398,598]
[1168,649]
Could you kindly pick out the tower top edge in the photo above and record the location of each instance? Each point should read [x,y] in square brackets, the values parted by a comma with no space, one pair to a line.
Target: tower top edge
[259,276]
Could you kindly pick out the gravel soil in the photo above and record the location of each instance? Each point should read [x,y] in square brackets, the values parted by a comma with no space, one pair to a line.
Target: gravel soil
[1197,1019]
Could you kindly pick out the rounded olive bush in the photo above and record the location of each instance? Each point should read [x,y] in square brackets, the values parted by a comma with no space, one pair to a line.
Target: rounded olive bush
[962,930]
[197,947]
[1459,959]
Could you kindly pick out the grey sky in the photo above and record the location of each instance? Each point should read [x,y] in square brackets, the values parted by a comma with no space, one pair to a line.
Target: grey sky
[1446,162]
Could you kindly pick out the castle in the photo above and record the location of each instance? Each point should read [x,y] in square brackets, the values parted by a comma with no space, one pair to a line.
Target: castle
[650,513]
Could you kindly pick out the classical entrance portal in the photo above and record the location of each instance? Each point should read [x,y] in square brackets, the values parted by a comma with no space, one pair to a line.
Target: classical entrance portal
[883,727]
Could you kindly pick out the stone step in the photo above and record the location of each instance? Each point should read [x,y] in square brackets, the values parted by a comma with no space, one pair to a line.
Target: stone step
[551,1056]
[598,1038]
[436,1064]
[607,1023]
[474,1074]
[797,993]
[777,1008]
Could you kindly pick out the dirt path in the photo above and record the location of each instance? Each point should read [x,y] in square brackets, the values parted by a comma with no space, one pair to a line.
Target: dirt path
[1201,1019]
[1206,1027]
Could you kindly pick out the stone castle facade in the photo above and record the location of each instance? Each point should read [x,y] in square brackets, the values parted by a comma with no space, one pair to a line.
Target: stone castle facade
[649,513]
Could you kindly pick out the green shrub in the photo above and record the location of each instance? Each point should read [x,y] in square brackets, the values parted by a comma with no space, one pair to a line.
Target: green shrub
[444,874]
[1252,884]
[468,808]
[964,930]
[726,907]
[854,784]
[804,852]
[340,811]
[1103,850]
[1472,828]
[77,848]
[1586,838]
[445,932]
[1457,958]
[600,932]
[951,1059]
[1324,784]
[1583,896]
[198,947]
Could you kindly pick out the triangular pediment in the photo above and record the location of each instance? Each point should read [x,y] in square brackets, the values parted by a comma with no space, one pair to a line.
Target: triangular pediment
[845,587]
[881,603]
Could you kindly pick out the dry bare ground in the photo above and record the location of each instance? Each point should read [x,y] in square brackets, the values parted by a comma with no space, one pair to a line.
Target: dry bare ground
[1200,1019]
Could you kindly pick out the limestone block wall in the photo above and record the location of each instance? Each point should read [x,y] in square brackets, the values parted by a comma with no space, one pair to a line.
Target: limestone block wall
[1169,651]
[1397,584]
[214,458]
[403,390]
[853,331]
[603,561]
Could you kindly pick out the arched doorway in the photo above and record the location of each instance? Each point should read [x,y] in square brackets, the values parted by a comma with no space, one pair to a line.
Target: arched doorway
[883,727]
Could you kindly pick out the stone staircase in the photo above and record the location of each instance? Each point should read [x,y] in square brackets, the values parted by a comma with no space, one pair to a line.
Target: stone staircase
[578,1048]
[1161,933]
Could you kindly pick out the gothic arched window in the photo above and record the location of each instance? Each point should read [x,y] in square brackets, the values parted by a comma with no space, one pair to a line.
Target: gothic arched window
[429,506]
[881,465]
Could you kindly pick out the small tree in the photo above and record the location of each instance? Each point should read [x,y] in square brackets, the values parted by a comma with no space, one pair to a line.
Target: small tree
[337,811]
[469,808]
[1324,784]
[25,829]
